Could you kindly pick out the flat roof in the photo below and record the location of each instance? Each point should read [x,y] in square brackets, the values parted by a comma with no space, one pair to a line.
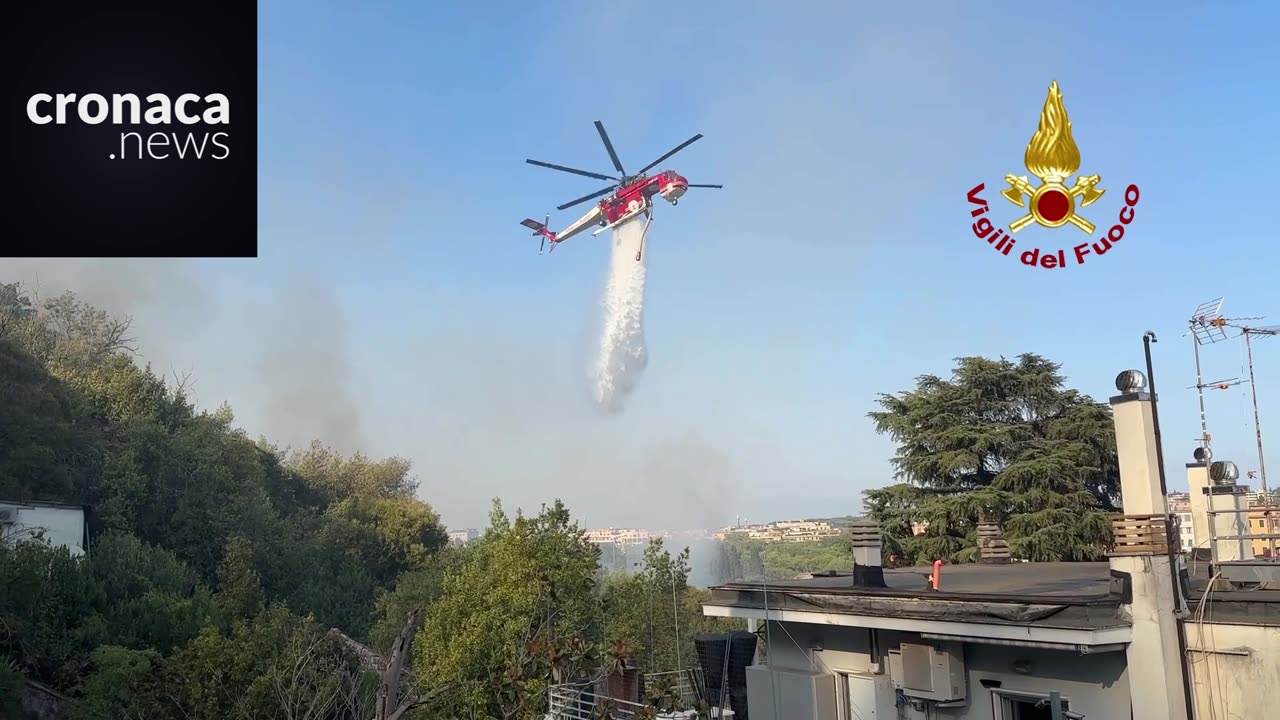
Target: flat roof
[41,504]
[1081,596]
[1059,581]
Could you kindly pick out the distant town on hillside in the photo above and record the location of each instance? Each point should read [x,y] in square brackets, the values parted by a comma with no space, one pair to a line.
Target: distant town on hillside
[790,531]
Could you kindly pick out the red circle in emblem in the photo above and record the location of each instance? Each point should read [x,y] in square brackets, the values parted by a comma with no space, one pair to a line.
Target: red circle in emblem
[1053,205]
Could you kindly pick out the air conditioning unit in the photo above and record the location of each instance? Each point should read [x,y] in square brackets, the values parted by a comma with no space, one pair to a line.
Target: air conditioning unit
[870,697]
[783,694]
[895,668]
[927,672]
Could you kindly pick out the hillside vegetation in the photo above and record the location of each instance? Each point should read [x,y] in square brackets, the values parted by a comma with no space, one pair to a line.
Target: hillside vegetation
[230,578]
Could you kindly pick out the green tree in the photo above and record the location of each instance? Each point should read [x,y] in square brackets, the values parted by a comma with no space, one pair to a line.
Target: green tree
[49,448]
[337,477]
[656,613]
[11,686]
[44,599]
[1005,440]
[647,611]
[239,588]
[141,597]
[526,583]
[228,674]
[416,589]
[123,684]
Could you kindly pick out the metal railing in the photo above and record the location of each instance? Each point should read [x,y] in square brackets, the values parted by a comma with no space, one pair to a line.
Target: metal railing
[587,701]
[1269,517]
[581,702]
[681,682]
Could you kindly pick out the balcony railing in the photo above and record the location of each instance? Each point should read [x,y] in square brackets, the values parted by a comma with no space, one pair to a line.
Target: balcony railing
[587,701]
[581,702]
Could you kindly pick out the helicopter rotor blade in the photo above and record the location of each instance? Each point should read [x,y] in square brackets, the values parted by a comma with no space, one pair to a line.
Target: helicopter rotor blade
[585,198]
[718,187]
[575,171]
[674,150]
[609,146]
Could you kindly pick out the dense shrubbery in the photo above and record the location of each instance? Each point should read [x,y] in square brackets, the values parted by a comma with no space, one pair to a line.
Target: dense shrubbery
[221,569]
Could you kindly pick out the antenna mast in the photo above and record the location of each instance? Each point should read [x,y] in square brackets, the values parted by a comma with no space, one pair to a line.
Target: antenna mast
[1248,332]
[1207,327]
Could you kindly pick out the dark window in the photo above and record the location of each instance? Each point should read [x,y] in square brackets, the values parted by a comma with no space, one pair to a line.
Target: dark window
[1026,707]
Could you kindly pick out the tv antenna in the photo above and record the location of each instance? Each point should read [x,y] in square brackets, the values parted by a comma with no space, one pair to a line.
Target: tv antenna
[1207,327]
[1248,332]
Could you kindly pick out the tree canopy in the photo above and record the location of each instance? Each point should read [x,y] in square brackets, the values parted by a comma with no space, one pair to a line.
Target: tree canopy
[213,557]
[230,578]
[1001,440]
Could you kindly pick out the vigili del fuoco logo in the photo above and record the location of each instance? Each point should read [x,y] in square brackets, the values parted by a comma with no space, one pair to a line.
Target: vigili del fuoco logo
[1052,156]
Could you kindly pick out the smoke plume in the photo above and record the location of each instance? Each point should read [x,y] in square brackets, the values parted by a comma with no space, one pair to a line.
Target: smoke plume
[304,373]
[622,351]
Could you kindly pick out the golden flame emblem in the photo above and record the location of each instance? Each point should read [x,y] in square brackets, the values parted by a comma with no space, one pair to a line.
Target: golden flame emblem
[1052,156]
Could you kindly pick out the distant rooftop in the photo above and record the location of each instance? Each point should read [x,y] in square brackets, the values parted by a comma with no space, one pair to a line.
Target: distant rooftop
[40,504]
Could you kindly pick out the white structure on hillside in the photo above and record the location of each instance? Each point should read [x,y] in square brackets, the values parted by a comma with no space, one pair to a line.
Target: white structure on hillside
[462,537]
[58,525]
[782,531]
[619,536]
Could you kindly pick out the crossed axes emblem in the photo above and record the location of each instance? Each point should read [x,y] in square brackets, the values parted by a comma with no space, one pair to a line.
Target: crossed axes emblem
[1085,187]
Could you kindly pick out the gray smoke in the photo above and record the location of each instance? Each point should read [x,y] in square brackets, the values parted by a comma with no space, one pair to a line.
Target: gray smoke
[305,369]
[284,365]
[168,303]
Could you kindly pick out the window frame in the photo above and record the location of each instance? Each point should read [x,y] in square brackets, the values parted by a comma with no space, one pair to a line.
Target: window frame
[1000,695]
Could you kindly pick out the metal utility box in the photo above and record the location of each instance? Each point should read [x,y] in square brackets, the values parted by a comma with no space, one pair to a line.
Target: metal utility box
[895,668]
[928,672]
[871,697]
[780,694]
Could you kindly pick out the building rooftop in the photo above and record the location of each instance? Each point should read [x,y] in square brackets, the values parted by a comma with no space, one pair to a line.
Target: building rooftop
[41,504]
[1064,582]
[1083,595]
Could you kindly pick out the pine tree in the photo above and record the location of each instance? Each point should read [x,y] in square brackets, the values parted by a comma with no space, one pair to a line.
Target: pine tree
[1005,441]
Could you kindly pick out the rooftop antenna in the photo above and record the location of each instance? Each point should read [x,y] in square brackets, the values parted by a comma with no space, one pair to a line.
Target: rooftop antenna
[1207,327]
[1247,332]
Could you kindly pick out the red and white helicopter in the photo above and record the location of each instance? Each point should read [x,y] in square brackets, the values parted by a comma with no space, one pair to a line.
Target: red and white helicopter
[628,196]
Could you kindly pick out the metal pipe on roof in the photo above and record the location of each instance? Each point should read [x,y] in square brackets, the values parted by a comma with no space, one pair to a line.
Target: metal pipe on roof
[1179,602]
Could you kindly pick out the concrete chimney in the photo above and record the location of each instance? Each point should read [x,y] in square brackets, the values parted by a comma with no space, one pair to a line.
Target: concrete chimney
[1141,552]
[864,539]
[1136,450]
[1227,499]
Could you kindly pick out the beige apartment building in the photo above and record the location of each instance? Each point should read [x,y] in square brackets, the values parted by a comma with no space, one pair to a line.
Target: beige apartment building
[1263,521]
[618,536]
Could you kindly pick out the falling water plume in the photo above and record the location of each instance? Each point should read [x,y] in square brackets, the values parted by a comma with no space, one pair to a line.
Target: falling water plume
[622,351]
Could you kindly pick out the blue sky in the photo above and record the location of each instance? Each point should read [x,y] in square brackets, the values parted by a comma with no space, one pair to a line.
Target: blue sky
[396,306]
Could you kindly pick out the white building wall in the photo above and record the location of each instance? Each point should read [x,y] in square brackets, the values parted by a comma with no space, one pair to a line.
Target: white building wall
[62,526]
[1096,685]
[1186,531]
[1242,680]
